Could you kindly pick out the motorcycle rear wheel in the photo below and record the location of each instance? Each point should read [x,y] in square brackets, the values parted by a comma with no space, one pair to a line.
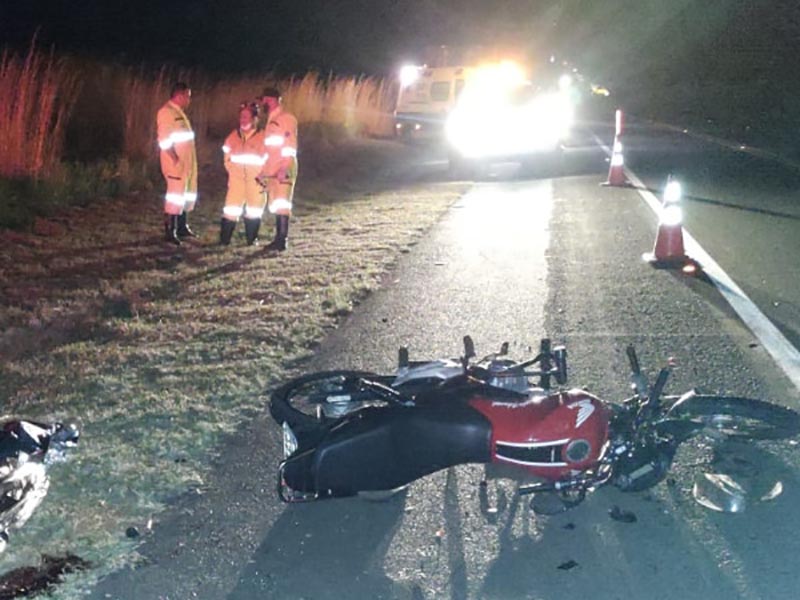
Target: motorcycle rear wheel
[319,399]
[742,418]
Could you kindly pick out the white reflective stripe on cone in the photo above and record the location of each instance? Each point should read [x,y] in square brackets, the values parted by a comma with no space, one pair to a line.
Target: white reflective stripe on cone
[279,204]
[288,152]
[274,140]
[190,196]
[253,213]
[248,159]
[617,160]
[165,144]
[232,211]
[176,199]
[671,215]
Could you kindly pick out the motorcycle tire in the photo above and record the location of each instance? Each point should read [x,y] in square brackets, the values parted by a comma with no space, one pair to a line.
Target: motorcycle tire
[322,398]
[742,418]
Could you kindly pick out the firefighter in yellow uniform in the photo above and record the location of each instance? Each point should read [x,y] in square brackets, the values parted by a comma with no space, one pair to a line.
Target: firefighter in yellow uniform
[280,171]
[244,155]
[178,162]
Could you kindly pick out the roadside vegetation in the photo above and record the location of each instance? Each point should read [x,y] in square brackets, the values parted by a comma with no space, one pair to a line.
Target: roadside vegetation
[75,131]
[159,352]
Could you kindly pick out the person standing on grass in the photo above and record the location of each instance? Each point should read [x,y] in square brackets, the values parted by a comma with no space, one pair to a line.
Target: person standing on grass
[178,163]
[244,156]
[280,171]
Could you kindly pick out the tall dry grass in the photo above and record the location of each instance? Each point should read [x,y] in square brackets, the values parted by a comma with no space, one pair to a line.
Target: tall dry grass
[37,93]
[115,114]
[360,106]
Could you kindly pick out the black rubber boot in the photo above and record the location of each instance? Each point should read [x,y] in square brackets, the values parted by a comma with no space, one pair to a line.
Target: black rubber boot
[273,245]
[183,226]
[284,244]
[251,227]
[226,228]
[171,229]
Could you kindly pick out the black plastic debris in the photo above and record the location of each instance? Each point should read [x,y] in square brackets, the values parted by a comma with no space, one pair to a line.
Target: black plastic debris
[566,566]
[623,516]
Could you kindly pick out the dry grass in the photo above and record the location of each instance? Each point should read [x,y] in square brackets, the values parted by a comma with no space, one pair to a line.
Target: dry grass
[160,352]
[37,93]
[360,106]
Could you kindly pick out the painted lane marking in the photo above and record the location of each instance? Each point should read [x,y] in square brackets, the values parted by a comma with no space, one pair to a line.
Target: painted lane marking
[774,342]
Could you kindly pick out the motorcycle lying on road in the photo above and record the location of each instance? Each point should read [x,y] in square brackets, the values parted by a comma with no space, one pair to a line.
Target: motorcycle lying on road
[348,432]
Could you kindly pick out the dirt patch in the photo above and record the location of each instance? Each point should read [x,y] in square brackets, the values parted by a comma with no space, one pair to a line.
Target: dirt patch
[159,351]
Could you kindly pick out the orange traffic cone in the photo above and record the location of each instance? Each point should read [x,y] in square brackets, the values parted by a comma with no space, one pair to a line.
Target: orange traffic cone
[616,171]
[668,250]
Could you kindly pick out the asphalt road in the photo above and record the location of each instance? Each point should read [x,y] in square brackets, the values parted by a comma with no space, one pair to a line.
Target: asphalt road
[518,258]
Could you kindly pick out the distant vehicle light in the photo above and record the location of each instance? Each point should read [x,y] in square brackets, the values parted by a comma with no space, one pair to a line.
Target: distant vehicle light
[539,125]
[599,90]
[409,74]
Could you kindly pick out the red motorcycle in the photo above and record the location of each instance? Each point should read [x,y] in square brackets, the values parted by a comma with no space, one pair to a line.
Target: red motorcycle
[346,432]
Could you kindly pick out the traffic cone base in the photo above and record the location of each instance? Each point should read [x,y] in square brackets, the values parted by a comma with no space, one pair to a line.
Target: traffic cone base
[616,170]
[668,250]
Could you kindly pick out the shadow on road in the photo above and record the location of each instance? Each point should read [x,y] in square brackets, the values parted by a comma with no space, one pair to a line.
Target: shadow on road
[331,549]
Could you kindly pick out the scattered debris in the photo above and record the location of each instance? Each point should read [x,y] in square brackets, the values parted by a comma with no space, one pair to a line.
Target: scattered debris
[566,566]
[132,533]
[623,516]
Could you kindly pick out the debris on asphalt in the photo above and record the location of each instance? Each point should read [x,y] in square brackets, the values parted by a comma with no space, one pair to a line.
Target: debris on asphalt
[623,516]
[566,566]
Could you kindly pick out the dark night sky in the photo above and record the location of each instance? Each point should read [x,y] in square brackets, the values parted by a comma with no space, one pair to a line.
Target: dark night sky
[683,36]
[350,35]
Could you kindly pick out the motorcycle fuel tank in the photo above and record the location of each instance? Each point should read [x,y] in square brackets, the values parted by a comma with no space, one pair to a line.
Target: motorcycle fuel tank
[551,436]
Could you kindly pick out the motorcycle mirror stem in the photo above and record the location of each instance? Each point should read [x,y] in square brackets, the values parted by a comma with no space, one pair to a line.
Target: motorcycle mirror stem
[638,379]
[469,351]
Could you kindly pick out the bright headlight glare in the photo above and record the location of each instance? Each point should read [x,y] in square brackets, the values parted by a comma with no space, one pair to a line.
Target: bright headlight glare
[408,75]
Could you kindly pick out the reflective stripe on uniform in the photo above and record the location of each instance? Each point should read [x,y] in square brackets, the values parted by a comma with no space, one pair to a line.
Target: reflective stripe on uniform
[288,152]
[279,204]
[232,211]
[190,196]
[226,149]
[252,212]
[176,199]
[176,137]
[248,159]
[274,140]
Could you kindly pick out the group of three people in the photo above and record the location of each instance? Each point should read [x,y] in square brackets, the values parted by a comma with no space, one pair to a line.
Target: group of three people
[260,156]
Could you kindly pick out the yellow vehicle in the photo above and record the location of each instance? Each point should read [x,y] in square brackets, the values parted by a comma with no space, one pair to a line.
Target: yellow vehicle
[426,97]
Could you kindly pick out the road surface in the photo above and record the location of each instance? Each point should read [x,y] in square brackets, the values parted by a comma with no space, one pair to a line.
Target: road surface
[517,258]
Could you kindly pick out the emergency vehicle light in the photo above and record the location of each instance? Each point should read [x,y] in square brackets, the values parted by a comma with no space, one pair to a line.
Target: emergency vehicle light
[408,75]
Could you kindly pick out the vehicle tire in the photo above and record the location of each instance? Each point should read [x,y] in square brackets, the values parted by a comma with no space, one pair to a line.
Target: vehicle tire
[742,418]
[319,399]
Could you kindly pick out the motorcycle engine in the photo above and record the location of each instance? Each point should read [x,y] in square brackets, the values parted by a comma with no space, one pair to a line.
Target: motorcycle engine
[643,466]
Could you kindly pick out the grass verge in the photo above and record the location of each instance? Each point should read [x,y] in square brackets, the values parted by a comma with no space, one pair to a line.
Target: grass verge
[159,352]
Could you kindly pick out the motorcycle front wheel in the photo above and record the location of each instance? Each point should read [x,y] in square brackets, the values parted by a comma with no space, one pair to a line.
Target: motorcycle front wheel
[743,418]
[319,399]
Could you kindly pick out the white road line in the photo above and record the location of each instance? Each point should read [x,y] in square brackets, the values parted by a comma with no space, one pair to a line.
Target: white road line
[782,351]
